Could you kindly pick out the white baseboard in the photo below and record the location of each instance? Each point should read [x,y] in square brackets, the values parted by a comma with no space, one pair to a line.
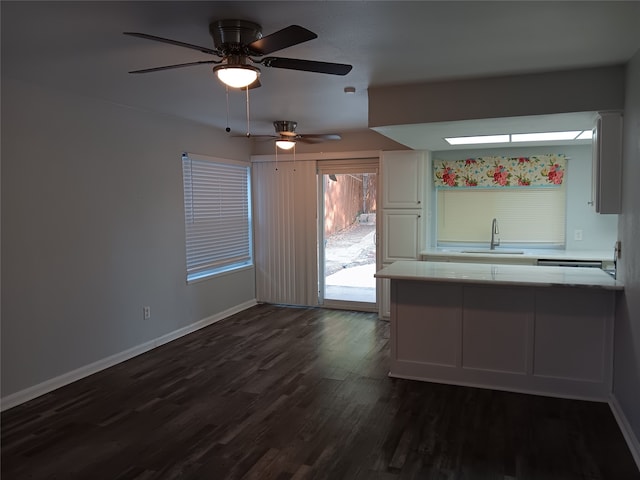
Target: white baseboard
[625,427]
[52,384]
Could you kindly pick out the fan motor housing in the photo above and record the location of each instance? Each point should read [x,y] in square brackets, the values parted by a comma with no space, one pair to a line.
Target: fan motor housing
[285,126]
[233,35]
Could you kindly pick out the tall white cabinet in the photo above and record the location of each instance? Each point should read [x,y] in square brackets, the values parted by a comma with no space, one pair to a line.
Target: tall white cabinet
[607,163]
[403,211]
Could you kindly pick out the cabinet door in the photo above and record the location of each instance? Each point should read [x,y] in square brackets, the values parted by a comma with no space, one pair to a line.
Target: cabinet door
[607,163]
[402,181]
[401,240]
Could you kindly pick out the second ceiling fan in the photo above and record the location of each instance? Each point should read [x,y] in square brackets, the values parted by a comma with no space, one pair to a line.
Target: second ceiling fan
[239,44]
[286,135]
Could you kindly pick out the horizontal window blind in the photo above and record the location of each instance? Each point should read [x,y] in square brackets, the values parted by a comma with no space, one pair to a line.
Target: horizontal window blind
[527,215]
[217,215]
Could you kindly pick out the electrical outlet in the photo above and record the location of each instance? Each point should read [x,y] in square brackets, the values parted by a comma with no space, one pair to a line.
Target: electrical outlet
[146,312]
[577,235]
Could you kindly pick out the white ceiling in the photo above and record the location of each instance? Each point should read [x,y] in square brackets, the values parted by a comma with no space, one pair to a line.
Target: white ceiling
[431,136]
[79,47]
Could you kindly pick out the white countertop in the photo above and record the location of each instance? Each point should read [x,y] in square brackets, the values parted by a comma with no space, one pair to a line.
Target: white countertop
[550,254]
[494,274]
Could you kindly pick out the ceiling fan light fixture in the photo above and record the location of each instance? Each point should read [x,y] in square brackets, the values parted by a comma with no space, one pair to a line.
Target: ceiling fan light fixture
[236,76]
[285,144]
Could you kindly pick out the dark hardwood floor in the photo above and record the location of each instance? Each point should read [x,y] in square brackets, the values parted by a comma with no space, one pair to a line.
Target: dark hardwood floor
[291,393]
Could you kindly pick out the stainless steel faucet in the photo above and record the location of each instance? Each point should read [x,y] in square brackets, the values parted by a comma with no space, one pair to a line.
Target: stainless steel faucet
[495,240]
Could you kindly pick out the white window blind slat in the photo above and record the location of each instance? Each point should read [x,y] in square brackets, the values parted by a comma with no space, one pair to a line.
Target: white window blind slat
[217,215]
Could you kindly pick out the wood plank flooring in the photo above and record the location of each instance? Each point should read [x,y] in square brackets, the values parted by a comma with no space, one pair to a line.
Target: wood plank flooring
[299,393]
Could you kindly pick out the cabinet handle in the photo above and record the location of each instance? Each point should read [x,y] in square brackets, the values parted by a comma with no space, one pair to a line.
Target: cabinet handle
[419,202]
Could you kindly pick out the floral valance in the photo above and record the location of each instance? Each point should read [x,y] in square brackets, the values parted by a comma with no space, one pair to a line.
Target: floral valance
[483,172]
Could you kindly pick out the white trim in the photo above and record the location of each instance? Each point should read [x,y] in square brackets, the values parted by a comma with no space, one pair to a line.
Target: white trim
[54,383]
[330,304]
[587,397]
[208,158]
[501,388]
[288,157]
[204,278]
[632,441]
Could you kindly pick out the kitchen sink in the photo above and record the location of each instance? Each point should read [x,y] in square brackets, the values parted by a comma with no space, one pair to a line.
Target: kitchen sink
[500,252]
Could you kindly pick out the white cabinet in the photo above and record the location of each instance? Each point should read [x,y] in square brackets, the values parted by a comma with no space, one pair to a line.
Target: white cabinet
[401,238]
[607,163]
[542,340]
[402,204]
[402,185]
[402,179]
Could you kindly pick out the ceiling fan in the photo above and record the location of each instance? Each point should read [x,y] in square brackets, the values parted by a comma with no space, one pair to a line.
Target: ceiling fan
[286,135]
[239,43]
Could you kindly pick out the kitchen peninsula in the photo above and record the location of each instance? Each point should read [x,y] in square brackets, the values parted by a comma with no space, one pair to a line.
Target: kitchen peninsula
[534,329]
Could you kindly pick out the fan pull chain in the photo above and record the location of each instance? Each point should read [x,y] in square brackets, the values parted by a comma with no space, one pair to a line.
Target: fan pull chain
[227,92]
[248,130]
[276,147]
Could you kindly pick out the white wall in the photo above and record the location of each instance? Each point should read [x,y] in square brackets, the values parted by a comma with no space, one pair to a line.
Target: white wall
[599,232]
[626,382]
[580,90]
[93,229]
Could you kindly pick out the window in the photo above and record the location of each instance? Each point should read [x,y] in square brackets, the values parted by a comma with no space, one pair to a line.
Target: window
[217,211]
[527,216]
[526,195]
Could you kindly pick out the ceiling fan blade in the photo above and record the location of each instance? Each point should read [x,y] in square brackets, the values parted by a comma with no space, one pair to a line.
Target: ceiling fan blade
[169,67]
[287,37]
[319,138]
[307,65]
[173,42]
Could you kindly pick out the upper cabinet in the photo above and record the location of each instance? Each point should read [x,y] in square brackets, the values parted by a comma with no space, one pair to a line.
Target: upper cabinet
[607,163]
[402,177]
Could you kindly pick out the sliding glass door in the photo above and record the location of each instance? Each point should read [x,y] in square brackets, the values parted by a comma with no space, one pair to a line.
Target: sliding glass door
[347,227]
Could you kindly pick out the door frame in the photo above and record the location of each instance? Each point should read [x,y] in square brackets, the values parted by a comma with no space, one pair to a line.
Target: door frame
[346,166]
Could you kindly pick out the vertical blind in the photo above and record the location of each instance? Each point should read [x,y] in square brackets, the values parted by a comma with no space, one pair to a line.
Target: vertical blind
[285,199]
[217,215]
